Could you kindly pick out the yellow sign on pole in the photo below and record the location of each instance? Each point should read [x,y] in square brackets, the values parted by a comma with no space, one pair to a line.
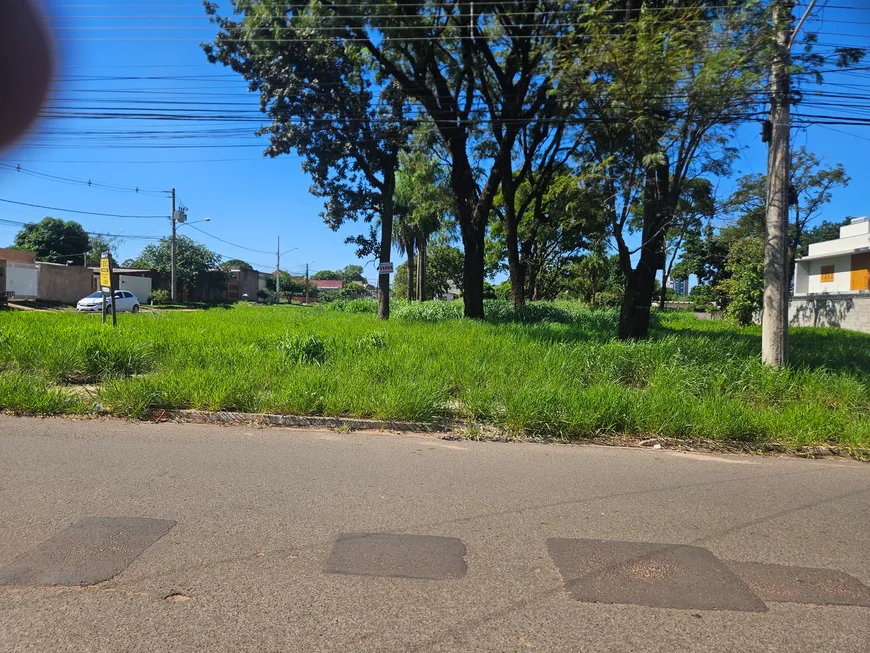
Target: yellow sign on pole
[105,275]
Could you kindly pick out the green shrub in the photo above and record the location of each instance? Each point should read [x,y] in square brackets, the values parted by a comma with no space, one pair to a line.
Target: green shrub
[160,296]
[702,297]
[299,348]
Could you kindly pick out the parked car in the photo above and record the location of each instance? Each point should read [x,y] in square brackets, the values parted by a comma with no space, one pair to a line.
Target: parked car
[125,302]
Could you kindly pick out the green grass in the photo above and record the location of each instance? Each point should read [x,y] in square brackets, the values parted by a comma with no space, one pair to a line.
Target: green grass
[551,370]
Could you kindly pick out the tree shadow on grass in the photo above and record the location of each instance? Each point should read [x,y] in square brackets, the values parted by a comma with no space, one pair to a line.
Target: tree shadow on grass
[837,350]
[833,349]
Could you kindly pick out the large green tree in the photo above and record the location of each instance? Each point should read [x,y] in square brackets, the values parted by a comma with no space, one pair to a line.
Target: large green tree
[347,274]
[478,73]
[54,240]
[327,104]
[197,266]
[670,84]
[236,264]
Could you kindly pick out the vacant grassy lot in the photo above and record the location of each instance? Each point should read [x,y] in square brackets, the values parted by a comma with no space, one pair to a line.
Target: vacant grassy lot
[564,376]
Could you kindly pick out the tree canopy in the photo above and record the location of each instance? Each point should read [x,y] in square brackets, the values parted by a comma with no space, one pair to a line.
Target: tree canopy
[54,240]
[197,266]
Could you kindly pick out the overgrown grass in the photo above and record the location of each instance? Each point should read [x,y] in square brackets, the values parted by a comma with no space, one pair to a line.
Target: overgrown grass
[553,369]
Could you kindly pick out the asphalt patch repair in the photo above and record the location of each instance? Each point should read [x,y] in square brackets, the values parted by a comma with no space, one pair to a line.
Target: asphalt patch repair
[654,575]
[88,552]
[397,556]
[786,584]
[692,578]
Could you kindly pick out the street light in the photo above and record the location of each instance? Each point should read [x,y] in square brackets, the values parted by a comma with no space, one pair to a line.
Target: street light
[179,216]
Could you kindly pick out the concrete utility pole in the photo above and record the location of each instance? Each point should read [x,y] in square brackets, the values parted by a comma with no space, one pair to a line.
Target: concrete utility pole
[774,324]
[278,272]
[172,279]
[306,284]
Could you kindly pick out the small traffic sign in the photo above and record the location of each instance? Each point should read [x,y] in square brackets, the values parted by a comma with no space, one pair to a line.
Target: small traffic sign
[105,274]
[385,268]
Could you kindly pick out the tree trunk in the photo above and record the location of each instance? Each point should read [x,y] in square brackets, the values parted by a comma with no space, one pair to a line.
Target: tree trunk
[473,230]
[532,281]
[411,271]
[635,310]
[422,261]
[663,298]
[594,276]
[473,271]
[516,272]
[472,211]
[386,242]
[640,287]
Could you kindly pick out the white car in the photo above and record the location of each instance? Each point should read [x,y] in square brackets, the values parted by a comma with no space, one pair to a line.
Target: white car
[125,302]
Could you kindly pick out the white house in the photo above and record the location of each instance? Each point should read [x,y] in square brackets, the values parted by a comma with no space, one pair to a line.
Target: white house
[835,267]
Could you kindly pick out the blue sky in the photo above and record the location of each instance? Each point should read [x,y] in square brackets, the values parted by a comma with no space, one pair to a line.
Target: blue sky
[251,200]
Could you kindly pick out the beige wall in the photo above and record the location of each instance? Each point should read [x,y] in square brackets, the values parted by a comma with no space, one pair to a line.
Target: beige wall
[846,312]
[17,255]
[63,283]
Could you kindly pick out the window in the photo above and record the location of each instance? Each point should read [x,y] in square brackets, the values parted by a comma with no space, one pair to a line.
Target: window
[827,274]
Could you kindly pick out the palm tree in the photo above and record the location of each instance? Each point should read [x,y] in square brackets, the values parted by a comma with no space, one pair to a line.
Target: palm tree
[421,204]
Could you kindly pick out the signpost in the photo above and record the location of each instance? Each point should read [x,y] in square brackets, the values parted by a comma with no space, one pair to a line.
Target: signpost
[106,286]
[385,268]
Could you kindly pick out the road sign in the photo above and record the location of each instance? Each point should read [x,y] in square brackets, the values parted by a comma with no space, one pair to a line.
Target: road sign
[105,274]
[385,268]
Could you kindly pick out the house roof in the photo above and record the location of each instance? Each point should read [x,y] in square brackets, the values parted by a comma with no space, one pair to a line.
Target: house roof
[328,284]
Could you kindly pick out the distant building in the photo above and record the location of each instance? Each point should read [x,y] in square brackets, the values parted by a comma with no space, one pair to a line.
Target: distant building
[679,286]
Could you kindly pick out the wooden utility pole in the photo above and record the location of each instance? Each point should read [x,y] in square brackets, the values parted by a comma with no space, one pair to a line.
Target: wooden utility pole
[306,284]
[278,272]
[774,325]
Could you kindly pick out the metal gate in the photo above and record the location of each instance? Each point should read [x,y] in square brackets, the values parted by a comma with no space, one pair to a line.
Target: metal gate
[22,279]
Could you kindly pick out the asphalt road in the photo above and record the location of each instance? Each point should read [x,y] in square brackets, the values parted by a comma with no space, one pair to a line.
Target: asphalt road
[194,538]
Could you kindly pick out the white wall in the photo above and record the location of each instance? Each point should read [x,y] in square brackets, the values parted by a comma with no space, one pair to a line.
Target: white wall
[801,277]
[139,286]
[849,244]
[855,228]
[842,275]
[22,279]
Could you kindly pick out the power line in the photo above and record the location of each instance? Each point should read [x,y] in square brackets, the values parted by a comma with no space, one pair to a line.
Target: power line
[89,183]
[227,242]
[105,215]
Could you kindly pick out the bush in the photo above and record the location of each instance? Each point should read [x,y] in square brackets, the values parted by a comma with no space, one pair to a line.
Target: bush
[299,348]
[702,297]
[160,296]
[352,290]
[502,291]
[327,296]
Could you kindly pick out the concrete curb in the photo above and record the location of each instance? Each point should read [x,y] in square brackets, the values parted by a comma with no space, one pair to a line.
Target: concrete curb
[298,421]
